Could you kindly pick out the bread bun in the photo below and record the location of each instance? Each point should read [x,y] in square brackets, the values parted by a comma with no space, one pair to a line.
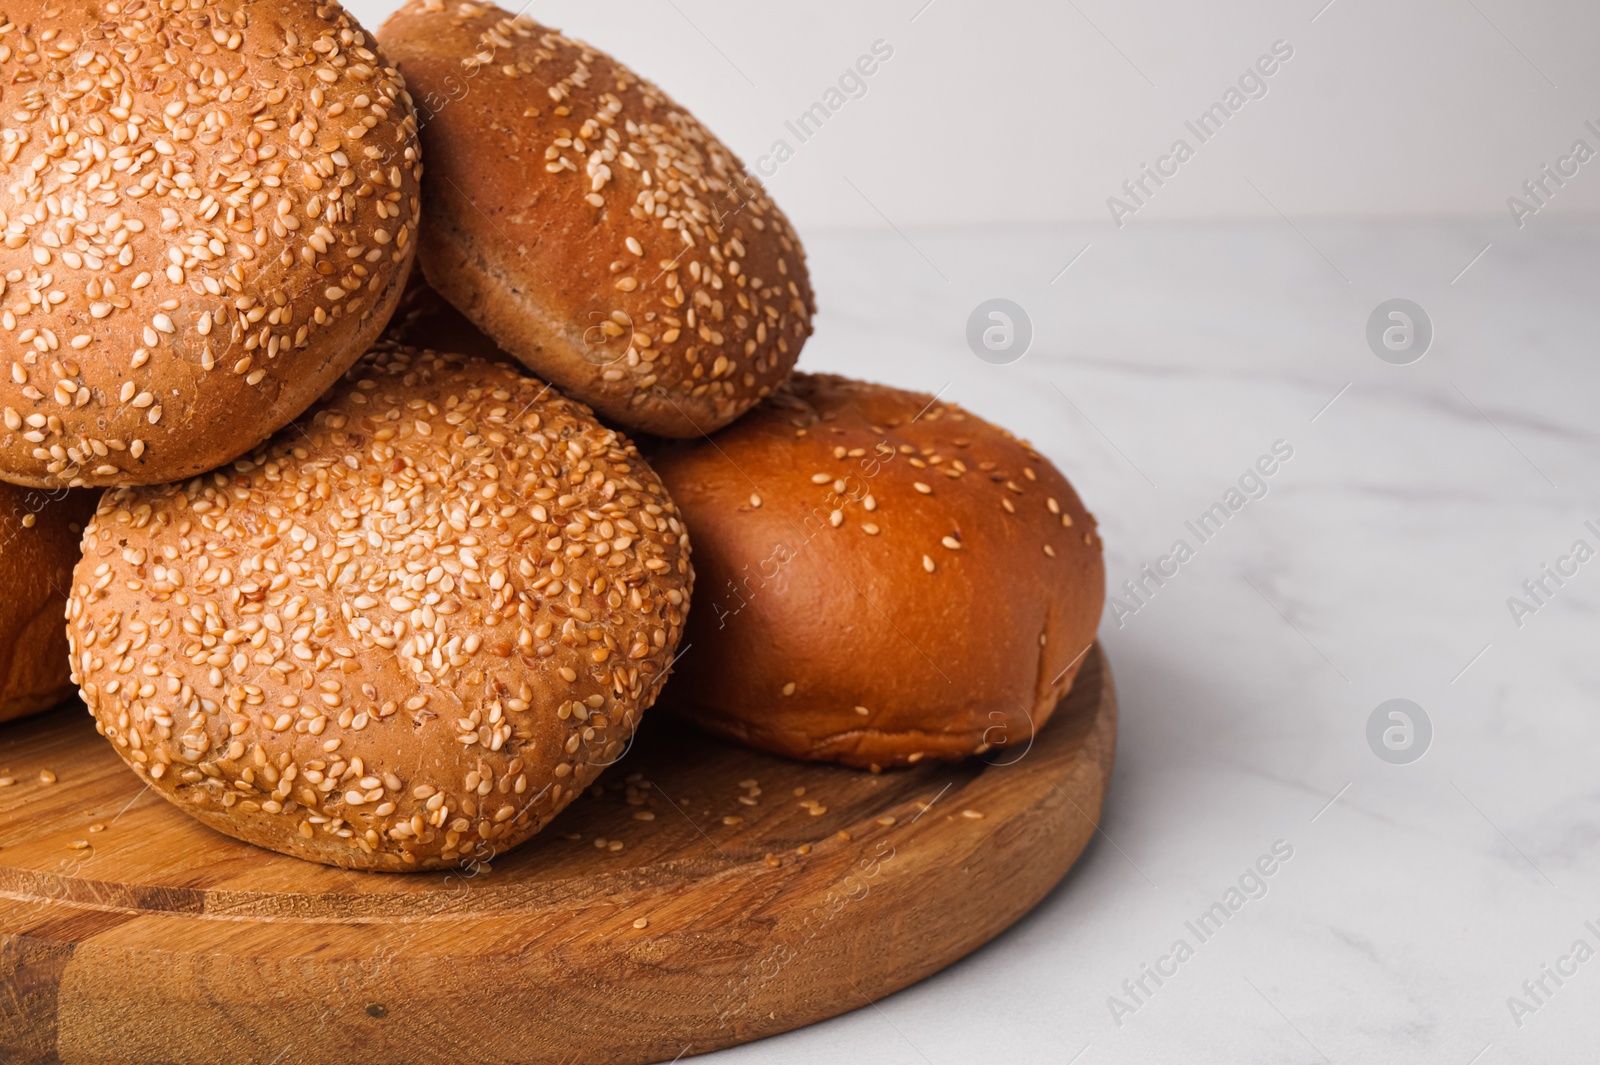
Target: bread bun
[403,634]
[883,578]
[596,230]
[39,533]
[211,213]
[424,319]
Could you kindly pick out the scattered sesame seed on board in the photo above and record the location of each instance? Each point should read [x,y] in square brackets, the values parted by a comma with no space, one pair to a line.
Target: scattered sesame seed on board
[641,922]
[6,782]
[46,776]
[972,815]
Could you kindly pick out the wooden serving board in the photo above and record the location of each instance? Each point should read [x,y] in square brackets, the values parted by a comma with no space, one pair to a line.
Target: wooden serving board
[698,901]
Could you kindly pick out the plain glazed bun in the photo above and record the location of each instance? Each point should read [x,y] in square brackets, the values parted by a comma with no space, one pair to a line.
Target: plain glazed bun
[596,230]
[39,533]
[883,578]
[210,212]
[403,634]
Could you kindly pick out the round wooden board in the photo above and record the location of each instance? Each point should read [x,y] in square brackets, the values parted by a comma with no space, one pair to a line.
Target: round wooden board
[154,939]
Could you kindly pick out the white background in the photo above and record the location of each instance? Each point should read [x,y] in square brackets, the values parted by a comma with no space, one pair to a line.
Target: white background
[1037,110]
[1168,354]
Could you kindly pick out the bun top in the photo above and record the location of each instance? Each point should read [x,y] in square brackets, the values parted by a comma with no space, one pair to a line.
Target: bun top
[39,533]
[882,577]
[446,588]
[204,208]
[652,276]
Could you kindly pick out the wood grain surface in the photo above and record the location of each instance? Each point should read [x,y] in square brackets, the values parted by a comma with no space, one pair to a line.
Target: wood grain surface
[696,898]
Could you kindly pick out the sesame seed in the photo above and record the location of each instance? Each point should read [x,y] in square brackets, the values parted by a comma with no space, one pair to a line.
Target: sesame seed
[927,563]
[280,668]
[923,488]
[951,542]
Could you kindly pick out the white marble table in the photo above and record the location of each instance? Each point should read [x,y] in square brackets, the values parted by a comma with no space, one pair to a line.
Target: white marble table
[1419,897]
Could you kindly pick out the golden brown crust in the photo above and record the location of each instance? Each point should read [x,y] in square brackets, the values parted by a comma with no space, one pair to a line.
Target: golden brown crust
[403,634]
[593,227]
[208,212]
[883,578]
[39,531]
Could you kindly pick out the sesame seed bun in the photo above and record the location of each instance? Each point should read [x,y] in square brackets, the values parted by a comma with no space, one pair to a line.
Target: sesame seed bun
[595,229]
[403,634]
[209,214]
[883,578]
[39,533]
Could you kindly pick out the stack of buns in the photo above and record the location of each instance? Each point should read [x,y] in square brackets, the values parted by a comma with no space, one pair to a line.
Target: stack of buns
[376,579]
